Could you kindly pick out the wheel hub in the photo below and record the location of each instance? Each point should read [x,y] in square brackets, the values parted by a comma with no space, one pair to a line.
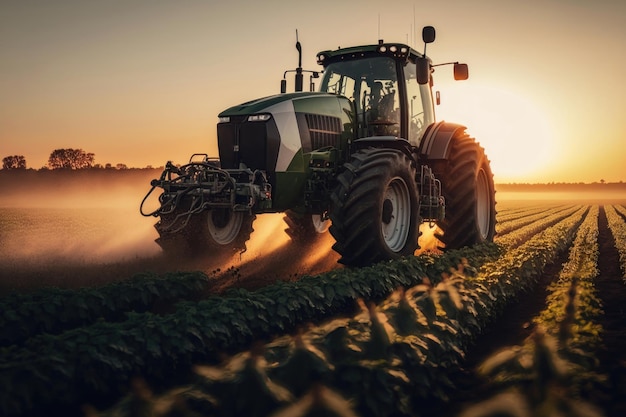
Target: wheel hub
[220,218]
[387,211]
[224,225]
[320,226]
[483,205]
[396,215]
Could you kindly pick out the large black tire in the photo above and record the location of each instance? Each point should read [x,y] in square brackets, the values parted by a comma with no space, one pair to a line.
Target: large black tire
[468,188]
[374,210]
[304,227]
[213,232]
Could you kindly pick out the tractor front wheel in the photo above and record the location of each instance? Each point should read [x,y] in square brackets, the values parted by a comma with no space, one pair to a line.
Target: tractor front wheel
[305,227]
[216,231]
[374,208]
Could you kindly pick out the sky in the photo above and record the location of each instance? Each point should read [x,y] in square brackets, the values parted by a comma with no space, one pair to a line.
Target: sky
[141,82]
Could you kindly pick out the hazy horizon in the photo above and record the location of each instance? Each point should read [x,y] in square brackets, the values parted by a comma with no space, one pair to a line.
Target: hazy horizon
[123,167]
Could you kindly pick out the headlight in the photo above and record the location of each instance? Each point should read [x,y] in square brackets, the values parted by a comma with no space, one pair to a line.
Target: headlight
[224,119]
[259,117]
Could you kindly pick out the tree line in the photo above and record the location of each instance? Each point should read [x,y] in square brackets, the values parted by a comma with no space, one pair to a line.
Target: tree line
[66,158]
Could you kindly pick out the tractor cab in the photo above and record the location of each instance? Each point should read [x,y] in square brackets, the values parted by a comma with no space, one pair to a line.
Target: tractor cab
[381,82]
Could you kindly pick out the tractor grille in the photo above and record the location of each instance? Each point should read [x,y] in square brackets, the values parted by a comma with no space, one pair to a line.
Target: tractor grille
[254,144]
[323,130]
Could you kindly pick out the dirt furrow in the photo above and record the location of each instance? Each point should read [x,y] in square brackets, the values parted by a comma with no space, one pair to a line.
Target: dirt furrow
[612,292]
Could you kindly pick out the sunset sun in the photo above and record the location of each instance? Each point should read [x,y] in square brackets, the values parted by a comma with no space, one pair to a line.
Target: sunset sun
[516,135]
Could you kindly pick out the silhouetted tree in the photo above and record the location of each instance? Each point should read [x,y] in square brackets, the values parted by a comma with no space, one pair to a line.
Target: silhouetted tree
[70,159]
[14,162]
[121,166]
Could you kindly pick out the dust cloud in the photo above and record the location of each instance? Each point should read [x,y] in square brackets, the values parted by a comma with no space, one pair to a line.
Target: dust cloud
[271,255]
[83,229]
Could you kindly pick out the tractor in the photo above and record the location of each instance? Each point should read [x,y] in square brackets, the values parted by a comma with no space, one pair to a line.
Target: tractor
[363,158]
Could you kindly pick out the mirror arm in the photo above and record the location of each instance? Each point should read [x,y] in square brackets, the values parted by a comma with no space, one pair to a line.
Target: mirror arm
[445,63]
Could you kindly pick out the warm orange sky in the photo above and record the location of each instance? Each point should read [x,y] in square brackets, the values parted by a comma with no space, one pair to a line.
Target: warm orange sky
[140,82]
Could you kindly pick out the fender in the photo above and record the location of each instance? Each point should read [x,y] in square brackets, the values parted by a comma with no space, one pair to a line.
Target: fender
[436,140]
[384,142]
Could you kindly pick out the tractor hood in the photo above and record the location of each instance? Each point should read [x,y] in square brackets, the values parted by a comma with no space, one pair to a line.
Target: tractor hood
[268,133]
[301,99]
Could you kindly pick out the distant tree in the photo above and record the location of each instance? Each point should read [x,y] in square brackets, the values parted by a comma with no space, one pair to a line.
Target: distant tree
[121,166]
[14,162]
[70,159]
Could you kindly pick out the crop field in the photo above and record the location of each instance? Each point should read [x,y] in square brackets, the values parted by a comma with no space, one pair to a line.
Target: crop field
[531,325]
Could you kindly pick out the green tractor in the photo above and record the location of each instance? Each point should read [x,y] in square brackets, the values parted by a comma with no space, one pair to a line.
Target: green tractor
[363,158]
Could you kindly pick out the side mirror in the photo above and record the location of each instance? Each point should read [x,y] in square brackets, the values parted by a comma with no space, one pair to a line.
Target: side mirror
[283,86]
[461,72]
[428,34]
[423,70]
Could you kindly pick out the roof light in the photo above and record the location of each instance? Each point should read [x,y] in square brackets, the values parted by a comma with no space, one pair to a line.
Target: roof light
[259,117]
[404,49]
[382,48]
[393,48]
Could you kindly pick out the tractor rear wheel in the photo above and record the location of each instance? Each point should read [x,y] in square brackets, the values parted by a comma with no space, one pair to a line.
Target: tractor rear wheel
[468,188]
[374,208]
[305,227]
[209,232]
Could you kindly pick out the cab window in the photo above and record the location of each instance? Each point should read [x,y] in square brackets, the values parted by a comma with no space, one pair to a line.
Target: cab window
[372,85]
[415,106]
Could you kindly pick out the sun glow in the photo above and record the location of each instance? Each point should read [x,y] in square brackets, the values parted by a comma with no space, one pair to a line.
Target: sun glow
[515,133]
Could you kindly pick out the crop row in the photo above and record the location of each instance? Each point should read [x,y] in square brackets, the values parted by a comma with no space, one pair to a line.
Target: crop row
[54,310]
[515,213]
[506,226]
[547,374]
[517,236]
[96,358]
[386,361]
[573,307]
[617,224]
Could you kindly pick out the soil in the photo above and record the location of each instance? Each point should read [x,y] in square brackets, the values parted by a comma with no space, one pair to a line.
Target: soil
[612,291]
